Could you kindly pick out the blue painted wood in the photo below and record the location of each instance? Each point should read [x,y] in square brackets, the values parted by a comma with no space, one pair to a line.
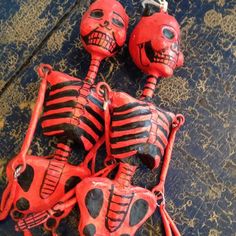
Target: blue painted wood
[200,187]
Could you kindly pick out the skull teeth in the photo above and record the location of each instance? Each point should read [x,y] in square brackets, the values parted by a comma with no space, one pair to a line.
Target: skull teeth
[103,40]
[166,59]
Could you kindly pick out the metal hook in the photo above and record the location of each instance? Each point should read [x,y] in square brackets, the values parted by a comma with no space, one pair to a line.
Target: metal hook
[162,198]
[17,172]
[163,4]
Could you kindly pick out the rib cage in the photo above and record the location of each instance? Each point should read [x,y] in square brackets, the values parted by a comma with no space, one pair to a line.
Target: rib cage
[32,221]
[115,218]
[73,109]
[139,128]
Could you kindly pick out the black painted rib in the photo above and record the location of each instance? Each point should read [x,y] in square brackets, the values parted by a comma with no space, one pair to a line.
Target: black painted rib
[118,212]
[129,137]
[161,142]
[129,106]
[123,196]
[70,104]
[119,203]
[148,82]
[168,117]
[134,125]
[163,130]
[50,180]
[95,115]
[69,93]
[57,116]
[147,87]
[62,149]
[164,121]
[65,84]
[55,171]
[126,149]
[61,127]
[114,220]
[141,112]
[128,169]
[91,125]
[95,101]
[126,174]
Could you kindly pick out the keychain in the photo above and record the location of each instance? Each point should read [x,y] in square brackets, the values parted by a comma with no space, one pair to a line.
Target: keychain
[135,128]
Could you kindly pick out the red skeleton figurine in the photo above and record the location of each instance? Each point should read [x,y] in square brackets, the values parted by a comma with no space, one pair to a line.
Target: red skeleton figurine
[135,128]
[73,112]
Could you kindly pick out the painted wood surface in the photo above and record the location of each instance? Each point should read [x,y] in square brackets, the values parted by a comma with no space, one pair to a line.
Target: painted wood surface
[200,188]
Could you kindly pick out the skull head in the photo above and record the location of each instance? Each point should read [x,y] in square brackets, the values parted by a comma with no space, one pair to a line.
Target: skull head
[154,44]
[103,28]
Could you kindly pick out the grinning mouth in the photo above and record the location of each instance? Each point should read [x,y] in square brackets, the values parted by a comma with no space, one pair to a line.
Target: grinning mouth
[100,39]
[159,56]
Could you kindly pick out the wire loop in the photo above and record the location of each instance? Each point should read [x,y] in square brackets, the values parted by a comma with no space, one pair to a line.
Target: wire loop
[163,4]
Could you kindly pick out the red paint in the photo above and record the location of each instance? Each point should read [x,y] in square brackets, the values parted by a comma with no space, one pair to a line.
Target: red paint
[117,199]
[155,45]
[103,28]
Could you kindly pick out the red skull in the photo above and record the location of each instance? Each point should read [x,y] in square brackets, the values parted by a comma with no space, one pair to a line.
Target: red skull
[103,28]
[154,44]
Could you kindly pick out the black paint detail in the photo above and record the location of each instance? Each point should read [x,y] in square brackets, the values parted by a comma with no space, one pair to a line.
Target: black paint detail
[65,84]
[138,211]
[149,51]
[89,230]
[163,130]
[95,115]
[158,56]
[17,215]
[161,142]
[128,137]
[73,132]
[141,112]
[164,121]
[168,117]
[119,215]
[151,77]
[69,93]
[147,154]
[60,105]
[26,178]
[91,125]
[22,204]
[150,10]
[57,116]
[94,201]
[168,33]
[51,223]
[147,87]
[134,125]
[118,22]
[97,13]
[129,106]
[96,34]
[71,183]
[58,214]
[95,101]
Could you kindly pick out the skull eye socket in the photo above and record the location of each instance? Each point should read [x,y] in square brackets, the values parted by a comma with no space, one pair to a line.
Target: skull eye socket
[97,14]
[118,22]
[168,33]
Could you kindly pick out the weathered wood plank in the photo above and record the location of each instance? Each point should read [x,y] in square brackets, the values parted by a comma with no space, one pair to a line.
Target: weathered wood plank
[24,25]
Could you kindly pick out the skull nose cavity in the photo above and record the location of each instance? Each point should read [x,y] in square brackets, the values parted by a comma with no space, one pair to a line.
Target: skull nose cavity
[106,23]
